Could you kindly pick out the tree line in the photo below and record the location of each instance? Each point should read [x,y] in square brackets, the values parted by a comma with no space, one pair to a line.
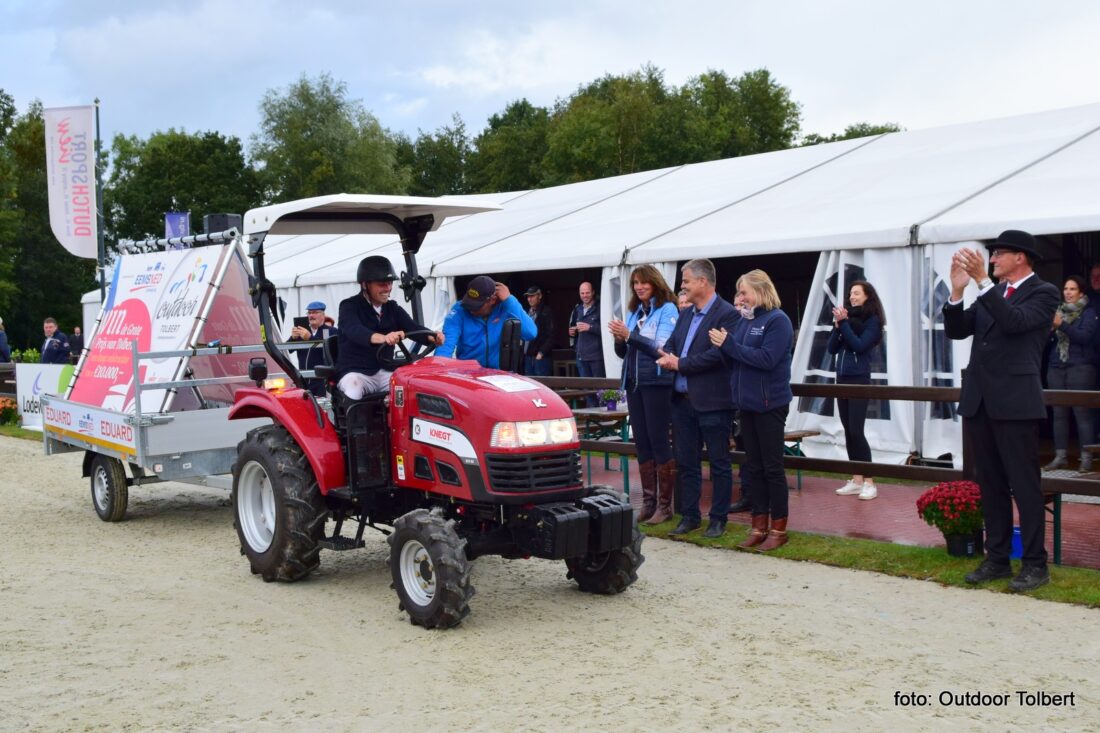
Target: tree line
[313,139]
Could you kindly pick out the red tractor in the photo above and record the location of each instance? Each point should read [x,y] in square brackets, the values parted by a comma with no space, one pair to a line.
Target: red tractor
[460,461]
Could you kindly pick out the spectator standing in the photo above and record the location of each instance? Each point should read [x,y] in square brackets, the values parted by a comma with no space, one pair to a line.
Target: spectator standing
[584,326]
[702,406]
[473,326]
[759,347]
[55,349]
[652,319]
[317,330]
[76,345]
[537,357]
[5,348]
[857,330]
[1071,365]
[1002,396]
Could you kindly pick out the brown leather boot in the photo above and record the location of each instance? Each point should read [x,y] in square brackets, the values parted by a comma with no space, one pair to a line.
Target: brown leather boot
[666,483]
[777,537]
[758,533]
[648,473]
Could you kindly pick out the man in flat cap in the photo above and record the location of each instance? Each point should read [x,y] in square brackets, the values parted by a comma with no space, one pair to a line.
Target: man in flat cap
[474,324]
[1002,396]
[314,330]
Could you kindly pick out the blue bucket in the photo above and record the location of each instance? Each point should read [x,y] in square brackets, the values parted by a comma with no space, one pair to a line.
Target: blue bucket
[1017,545]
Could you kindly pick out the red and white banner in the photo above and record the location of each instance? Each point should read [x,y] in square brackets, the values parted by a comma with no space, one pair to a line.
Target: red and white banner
[70,175]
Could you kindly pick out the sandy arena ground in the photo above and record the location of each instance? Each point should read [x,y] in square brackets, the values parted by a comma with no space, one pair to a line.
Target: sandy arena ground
[155,623]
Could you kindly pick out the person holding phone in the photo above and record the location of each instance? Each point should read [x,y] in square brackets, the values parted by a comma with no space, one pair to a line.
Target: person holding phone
[312,327]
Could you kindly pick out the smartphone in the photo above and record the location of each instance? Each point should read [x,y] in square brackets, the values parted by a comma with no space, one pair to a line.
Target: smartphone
[301,321]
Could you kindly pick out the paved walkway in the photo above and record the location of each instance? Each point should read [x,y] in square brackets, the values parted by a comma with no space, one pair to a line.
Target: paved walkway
[892,517]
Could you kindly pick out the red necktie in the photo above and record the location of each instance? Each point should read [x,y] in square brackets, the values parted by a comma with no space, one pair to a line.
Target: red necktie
[1009,291]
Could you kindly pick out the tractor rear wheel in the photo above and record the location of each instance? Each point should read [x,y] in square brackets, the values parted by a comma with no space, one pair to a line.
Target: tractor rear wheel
[611,572]
[110,493]
[430,571]
[278,510]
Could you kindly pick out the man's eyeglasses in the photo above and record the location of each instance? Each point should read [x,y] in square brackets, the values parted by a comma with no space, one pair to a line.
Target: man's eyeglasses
[1002,253]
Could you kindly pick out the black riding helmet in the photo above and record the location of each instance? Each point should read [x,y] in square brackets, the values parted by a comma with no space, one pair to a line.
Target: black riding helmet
[373,268]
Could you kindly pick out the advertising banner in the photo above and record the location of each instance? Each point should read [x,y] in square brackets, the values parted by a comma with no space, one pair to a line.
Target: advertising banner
[177,224]
[156,300]
[34,380]
[97,427]
[70,176]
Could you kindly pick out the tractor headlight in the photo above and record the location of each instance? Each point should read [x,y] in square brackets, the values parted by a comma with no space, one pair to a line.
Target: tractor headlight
[533,433]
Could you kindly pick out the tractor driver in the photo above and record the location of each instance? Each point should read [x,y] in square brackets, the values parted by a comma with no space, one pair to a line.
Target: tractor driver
[368,321]
[474,324]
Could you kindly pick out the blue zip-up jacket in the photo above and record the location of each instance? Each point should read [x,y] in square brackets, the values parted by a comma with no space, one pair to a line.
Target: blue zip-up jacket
[760,349]
[854,350]
[639,351]
[468,337]
[1082,340]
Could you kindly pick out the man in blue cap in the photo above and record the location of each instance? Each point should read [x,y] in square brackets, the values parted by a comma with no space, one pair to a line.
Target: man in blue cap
[316,330]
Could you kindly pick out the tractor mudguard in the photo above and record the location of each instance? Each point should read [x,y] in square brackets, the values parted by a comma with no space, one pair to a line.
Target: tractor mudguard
[295,411]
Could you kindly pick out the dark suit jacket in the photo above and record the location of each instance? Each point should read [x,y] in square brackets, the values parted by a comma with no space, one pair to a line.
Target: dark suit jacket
[707,372]
[56,349]
[358,322]
[1007,352]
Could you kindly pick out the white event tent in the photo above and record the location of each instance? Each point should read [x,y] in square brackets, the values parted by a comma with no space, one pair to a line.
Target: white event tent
[890,208]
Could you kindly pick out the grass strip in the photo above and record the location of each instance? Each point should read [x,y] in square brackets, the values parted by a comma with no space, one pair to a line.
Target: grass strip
[14,431]
[1079,586]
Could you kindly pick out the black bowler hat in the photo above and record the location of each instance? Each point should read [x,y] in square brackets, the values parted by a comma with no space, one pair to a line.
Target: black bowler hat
[1017,241]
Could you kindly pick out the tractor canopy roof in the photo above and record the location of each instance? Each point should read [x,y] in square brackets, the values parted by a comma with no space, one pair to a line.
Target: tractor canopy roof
[346,213]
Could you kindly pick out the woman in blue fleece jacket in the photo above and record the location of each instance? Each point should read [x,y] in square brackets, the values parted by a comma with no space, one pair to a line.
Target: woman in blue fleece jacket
[857,330]
[759,349]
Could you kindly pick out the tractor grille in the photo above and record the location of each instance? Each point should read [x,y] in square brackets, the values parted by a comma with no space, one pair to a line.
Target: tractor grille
[522,472]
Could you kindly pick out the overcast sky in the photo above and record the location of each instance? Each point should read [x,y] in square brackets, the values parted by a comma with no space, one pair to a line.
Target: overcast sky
[205,64]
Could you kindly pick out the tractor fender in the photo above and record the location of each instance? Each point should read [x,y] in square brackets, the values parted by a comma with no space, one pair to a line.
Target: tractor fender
[298,415]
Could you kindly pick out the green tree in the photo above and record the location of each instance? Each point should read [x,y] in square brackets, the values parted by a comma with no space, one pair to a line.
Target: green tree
[45,279]
[313,141]
[203,173]
[860,129]
[508,154]
[437,162]
[9,210]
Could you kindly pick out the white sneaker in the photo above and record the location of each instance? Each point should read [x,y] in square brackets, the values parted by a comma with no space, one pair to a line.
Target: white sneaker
[868,492]
[850,488]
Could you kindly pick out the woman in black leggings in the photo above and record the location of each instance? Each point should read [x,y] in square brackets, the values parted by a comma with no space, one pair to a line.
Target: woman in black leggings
[857,330]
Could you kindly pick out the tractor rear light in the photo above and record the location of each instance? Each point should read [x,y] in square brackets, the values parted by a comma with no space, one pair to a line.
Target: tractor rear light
[275,384]
[533,433]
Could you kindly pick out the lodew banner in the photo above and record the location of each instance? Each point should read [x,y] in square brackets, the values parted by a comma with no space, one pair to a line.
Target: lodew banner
[34,380]
[70,177]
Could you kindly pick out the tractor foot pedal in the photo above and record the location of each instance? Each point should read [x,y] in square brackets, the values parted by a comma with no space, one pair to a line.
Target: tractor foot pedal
[340,544]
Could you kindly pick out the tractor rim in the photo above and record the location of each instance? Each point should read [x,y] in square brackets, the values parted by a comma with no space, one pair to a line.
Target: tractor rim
[256,506]
[417,573]
[101,489]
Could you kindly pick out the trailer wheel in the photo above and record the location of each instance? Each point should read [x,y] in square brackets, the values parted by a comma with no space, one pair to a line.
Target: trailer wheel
[612,572]
[278,510]
[430,571]
[109,491]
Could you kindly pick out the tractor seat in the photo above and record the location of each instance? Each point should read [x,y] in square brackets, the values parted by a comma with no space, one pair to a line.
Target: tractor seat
[327,371]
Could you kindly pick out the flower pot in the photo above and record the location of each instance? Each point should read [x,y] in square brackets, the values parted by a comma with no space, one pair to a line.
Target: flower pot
[965,545]
[611,405]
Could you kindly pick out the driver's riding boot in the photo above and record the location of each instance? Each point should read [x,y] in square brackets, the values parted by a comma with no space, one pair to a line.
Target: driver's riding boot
[648,473]
[666,484]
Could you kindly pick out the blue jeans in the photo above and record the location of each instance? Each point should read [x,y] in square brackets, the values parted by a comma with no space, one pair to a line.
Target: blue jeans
[591,368]
[712,428]
[533,367]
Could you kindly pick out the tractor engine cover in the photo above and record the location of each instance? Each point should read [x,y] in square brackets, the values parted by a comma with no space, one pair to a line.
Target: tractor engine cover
[554,531]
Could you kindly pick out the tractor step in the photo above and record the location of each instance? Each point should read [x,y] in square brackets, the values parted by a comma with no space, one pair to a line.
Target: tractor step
[340,544]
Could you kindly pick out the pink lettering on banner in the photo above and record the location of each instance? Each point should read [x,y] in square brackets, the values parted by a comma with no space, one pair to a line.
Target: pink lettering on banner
[105,378]
[115,431]
[60,417]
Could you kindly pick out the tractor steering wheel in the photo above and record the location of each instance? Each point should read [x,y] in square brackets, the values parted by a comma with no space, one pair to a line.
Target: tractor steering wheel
[421,351]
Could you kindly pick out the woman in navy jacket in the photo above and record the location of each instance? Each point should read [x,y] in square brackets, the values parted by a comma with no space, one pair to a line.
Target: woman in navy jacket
[857,330]
[759,348]
[652,318]
[1071,365]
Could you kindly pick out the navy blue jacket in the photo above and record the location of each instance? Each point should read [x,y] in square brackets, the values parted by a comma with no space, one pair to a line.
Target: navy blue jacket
[1082,341]
[639,351]
[358,322]
[854,349]
[707,371]
[760,349]
[5,351]
[56,349]
[589,344]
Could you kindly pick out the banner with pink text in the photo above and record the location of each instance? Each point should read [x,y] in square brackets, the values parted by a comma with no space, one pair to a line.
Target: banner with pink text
[70,176]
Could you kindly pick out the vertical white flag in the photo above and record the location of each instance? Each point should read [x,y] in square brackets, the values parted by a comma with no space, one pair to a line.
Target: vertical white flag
[70,174]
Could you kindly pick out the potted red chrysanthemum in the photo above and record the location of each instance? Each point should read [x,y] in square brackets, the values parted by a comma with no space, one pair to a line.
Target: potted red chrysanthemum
[955,508]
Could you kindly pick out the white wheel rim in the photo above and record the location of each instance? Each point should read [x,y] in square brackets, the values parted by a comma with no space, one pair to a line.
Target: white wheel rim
[417,573]
[256,506]
[101,489]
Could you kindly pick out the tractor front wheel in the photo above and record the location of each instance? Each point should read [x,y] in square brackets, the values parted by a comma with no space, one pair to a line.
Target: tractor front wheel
[431,573]
[611,572]
[278,510]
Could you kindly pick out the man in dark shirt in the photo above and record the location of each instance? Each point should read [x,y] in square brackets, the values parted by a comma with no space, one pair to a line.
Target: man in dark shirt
[315,331]
[55,349]
[370,325]
[584,326]
[76,344]
[537,356]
